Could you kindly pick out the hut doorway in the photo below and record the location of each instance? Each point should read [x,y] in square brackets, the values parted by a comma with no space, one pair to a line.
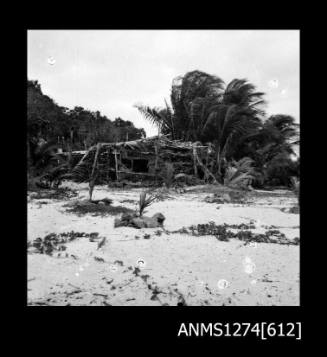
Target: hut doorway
[140,165]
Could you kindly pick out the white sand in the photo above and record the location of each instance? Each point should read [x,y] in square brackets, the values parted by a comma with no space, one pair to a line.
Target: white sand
[178,265]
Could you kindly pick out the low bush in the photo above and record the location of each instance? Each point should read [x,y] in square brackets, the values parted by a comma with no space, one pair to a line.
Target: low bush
[167,174]
[280,170]
[239,173]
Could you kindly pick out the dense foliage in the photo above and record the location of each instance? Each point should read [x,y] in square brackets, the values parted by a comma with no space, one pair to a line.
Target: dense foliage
[50,127]
[78,127]
[250,148]
[233,118]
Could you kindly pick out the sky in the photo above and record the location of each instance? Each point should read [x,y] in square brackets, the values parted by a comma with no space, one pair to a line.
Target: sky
[112,70]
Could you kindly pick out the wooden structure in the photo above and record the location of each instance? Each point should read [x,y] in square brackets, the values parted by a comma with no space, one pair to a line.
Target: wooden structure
[144,159]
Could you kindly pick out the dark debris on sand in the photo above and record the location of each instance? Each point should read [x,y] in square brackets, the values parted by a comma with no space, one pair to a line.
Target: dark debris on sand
[56,242]
[61,193]
[97,208]
[223,233]
[238,197]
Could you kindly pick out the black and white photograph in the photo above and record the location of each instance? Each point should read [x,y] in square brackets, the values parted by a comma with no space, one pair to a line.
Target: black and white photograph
[163,167]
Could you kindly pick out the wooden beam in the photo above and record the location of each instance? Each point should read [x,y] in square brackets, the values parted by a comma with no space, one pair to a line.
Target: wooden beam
[116,165]
[156,150]
[205,169]
[137,173]
[95,159]
[108,164]
[92,177]
[194,162]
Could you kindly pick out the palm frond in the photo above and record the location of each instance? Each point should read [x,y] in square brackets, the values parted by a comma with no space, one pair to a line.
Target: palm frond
[240,179]
[161,117]
[151,114]
[240,173]
[145,201]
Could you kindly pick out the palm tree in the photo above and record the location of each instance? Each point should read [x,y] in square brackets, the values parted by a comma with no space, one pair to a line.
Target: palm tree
[278,134]
[46,163]
[229,117]
[239,172]
[163,118]
[272,145]
[186,92]
[204,110]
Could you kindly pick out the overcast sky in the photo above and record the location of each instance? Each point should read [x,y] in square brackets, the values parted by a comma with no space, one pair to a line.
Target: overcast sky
[110,70]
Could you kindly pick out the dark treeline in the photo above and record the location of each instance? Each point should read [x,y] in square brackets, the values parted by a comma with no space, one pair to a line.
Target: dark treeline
[76,128]
[50,127]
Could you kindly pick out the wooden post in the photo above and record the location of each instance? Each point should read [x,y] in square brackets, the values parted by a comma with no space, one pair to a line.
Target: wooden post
[116,165]
[207,165]
[95,159]
[93,177]
[70,156]
[205,169]
[108,165]
[156,150]
[194,161]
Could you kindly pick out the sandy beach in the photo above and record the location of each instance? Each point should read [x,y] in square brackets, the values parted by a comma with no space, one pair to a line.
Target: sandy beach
[153,267]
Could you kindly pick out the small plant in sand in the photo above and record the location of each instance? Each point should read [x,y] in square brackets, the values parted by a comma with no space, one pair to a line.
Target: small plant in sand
[296,188]
[167,174]
[146,200]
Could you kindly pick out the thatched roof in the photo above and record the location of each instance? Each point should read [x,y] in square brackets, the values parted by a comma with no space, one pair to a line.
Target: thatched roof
[144,143]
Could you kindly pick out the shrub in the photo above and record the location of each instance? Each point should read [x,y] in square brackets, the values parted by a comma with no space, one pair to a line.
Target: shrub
[296,187]
[167,174]
[279,170]
[239,173]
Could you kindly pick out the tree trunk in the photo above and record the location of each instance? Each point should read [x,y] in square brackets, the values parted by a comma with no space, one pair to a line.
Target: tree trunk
[29,156]
[219,158]
[194,162]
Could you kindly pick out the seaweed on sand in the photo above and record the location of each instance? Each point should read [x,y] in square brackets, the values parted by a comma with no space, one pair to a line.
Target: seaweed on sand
[222,233]
[56,242]
[82,208]
[62,193]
